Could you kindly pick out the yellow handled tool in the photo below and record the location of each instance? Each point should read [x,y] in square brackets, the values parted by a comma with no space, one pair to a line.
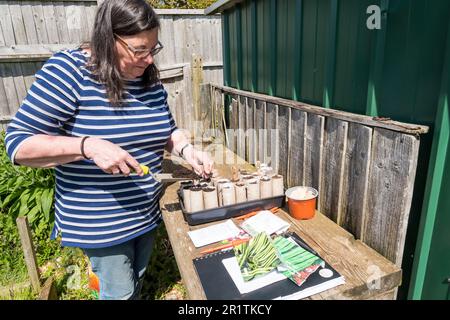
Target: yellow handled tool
[162,177]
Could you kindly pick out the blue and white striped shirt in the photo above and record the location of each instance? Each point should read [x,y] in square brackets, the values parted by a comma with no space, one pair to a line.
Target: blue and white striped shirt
[94,209]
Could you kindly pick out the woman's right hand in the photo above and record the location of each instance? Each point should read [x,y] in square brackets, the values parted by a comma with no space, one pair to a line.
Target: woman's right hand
[110,157]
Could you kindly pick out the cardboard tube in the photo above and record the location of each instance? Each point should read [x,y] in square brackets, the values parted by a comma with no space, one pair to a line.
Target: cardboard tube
[187,198]
[228,194]
[196,199]
[253,190]
[220,181]
[210,197]
[247,179]
[266,187]
[219,185]
[277,185]
[241,192]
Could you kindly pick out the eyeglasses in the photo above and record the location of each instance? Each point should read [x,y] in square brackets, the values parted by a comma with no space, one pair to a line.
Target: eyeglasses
[141,53]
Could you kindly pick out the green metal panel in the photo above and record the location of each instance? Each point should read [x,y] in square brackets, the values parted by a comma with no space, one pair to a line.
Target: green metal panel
[432,266]
[321,52]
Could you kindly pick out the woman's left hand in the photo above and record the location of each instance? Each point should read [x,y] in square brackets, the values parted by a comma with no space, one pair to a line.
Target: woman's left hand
[200,161]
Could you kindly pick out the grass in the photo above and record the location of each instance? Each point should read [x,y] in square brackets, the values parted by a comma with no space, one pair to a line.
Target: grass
[69,267]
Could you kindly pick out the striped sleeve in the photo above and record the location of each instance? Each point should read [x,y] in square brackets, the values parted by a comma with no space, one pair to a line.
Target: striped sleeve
[51,101]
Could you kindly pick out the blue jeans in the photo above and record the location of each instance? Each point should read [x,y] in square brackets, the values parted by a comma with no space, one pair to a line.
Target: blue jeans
[120,268]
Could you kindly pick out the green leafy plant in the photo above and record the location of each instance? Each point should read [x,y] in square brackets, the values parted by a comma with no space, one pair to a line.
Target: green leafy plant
[24,192]
[181,4]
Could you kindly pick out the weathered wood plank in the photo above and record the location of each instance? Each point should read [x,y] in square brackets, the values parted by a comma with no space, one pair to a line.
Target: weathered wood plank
[73,21]
[392,172]
[188,98]
[272,136]
[28,250]
[6,73]
[355,179]
[341,115]
[4,109]
[234,124]
[335,144]
[85,33]
[28,71]
[18,22]
[91,11]
[6,25]
[314,151]
[284,114]
[61,22]
[260,126]
[48,290]
[166,36]
[39,52]
[297,149]
[251,147]
[19,83]
[179,39]
[50,22]
[28,21]
[240,130]
[39,23]
[206,112]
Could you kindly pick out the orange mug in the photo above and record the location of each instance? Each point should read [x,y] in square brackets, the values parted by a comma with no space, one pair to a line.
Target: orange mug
[302,202]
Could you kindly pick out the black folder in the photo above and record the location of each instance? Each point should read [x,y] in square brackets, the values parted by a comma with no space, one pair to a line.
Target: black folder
[218,284]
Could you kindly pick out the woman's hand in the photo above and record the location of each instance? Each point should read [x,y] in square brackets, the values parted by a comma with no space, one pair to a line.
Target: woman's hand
[199,160]
[110,157]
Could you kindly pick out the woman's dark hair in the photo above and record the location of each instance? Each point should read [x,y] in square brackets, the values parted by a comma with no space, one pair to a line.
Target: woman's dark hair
[121,17]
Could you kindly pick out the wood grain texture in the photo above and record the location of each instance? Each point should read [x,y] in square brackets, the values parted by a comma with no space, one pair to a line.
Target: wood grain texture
[283,121]
[28,20]
[250,134]
[17,22]
[29,252]
[6,25]
[335,144]
[355,179]
[234,124]
[39,23]
[297,150]
[391,181]
[314,151]
[240,129]
[50,22]
[6,73]
[272,147]
[261,139]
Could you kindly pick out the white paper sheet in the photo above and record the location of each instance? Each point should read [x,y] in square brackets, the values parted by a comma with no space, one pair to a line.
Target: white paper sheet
[264,221]
[234,271]
[214,233]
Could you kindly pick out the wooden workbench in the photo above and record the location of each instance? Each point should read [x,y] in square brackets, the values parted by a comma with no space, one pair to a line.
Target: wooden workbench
[368,275]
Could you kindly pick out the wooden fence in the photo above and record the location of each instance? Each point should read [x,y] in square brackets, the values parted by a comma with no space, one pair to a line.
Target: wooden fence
[363,167]
[31,31]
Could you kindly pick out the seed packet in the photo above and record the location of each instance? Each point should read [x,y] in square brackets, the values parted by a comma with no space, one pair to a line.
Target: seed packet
[296,263]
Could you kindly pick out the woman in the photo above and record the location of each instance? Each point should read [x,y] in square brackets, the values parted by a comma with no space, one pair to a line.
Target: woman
[95,114]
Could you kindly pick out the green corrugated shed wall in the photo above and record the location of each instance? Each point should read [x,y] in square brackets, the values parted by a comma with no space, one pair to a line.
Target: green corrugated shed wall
[321,52]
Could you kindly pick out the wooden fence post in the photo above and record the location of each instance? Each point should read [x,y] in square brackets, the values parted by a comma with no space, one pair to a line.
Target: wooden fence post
[197,79]
[28,250]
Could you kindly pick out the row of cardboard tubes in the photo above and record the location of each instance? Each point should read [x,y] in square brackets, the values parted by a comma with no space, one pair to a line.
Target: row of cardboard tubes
[243,187]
